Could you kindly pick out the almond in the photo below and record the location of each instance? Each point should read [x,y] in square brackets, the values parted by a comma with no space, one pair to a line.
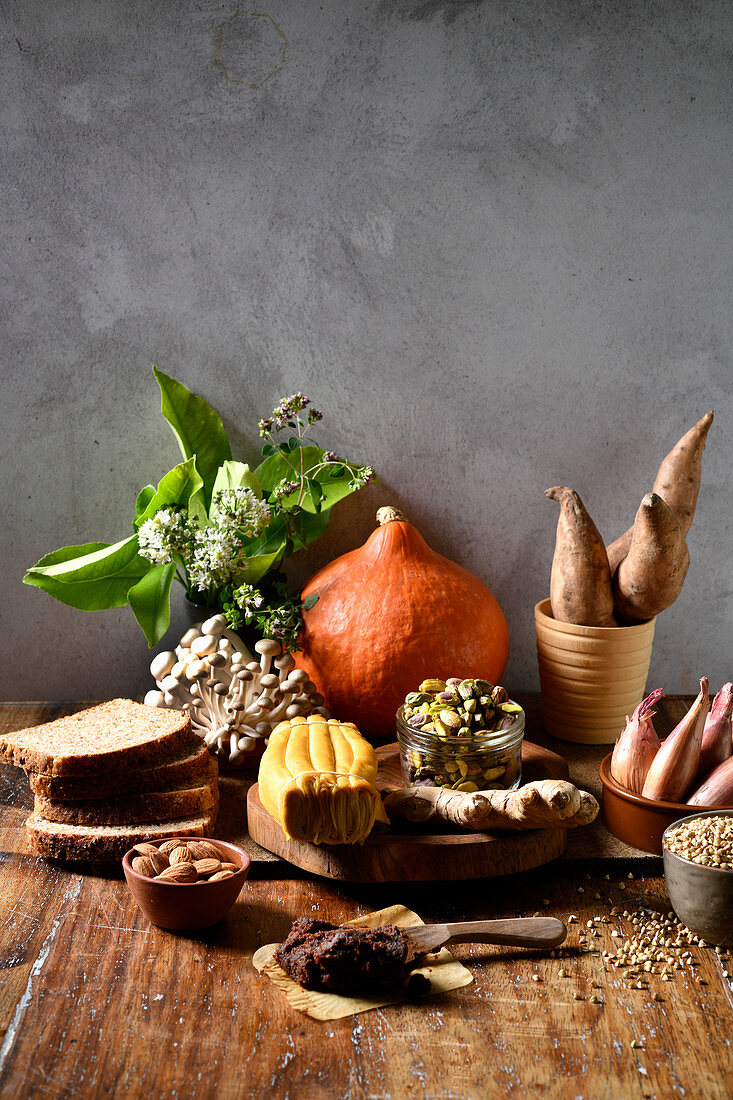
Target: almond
[202,849]
[159,861]
[229,867]
[145,849]
[178,872]
[168,846]
[207,866]
[144,866]
[180,854]
[220,875]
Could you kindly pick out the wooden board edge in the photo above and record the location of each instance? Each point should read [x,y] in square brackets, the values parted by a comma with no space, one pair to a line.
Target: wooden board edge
[429,856]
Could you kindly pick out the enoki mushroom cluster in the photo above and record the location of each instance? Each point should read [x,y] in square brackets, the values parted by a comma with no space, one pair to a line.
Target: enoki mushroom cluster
[234,701]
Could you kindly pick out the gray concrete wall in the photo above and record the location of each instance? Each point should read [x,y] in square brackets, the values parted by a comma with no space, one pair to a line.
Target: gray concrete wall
[491,240]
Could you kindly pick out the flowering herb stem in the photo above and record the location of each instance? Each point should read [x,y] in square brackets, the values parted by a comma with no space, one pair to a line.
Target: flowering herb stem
[223,527]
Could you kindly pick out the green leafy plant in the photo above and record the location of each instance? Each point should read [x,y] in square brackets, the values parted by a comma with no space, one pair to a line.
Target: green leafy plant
[213,525]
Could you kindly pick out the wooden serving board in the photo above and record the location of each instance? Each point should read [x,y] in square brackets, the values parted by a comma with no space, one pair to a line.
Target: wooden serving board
[420,857]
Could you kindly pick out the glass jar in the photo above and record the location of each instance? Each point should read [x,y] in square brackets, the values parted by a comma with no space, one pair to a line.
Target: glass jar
[478,761]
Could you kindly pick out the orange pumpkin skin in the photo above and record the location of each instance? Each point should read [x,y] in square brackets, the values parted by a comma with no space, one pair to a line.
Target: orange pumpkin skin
[391,614]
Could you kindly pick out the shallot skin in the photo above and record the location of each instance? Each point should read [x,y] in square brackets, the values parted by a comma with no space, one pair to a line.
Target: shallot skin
[674,768]
[717,737]
[717,789]
[637,746]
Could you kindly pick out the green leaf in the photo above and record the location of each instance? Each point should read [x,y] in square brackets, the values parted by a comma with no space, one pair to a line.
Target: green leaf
[313,525]
[310,601]
[196,506]
[69,553]
[144,497]
[257,566]
[276,542]
[272,541]
[315,491]
[150,602]
[276,469]
[175,489]
[91,577]
[236,475]
[197,427]
[268,449]
[307,527]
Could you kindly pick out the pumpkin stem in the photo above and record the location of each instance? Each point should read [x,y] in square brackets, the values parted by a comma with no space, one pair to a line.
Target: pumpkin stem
[388,514]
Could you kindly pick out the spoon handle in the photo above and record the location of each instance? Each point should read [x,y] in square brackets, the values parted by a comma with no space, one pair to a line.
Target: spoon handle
[520,932]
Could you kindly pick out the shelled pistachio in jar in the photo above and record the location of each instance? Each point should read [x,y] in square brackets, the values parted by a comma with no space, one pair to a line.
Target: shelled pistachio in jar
[452,735]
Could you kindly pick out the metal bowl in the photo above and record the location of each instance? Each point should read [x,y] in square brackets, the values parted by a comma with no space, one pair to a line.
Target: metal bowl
[702,897]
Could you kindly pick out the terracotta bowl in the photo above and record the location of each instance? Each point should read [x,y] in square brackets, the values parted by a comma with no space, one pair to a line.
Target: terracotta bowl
[702,897]
[186,907]
[637,821]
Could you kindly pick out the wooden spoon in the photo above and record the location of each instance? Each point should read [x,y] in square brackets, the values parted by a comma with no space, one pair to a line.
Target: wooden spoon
[520,932]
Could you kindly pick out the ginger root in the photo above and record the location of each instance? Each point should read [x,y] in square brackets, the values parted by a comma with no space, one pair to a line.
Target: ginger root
[547,804]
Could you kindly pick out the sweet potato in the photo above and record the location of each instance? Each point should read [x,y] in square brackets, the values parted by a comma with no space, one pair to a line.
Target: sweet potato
[677,483]
[651,575]
[580,581]
[618,549]
[678,478]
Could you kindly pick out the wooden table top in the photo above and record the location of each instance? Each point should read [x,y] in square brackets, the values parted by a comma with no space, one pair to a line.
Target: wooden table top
[94,1001]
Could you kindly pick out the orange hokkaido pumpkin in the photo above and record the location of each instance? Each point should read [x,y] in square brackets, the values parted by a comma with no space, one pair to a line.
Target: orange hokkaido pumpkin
[391,614]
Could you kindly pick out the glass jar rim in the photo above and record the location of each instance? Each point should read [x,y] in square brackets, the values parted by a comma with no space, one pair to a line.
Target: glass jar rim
[479,739]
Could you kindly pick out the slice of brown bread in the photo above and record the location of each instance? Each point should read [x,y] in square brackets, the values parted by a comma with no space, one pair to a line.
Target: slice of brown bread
[191,768]
[100,739]
[104,843]
[130,809]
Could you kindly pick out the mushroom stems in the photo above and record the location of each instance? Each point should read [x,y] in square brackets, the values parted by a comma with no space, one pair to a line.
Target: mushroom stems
[233,714]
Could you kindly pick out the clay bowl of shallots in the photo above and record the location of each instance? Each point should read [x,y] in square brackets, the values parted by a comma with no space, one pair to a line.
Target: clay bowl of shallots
[185,883]
[648,784]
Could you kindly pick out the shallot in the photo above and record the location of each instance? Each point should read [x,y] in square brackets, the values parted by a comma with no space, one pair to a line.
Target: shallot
[717,789]
[674,768]
[637,746]
[717,737]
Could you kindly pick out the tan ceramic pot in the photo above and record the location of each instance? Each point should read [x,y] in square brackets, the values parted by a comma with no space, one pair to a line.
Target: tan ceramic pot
[591,676]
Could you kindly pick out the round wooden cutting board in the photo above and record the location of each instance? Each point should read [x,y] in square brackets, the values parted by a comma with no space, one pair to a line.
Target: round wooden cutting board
[420,857]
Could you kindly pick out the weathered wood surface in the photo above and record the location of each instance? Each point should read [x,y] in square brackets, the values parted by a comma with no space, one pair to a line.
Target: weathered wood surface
[419,857]
[96,1002]
[107,1005]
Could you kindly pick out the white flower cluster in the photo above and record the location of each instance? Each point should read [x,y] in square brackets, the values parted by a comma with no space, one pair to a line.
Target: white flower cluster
[217,558]
[212,556]
[242,510]
[166,534]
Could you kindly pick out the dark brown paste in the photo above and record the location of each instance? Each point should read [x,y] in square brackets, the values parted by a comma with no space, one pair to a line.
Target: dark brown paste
[318,955]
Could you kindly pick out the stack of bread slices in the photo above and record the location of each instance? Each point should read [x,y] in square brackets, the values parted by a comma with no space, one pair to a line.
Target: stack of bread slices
[113,776]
